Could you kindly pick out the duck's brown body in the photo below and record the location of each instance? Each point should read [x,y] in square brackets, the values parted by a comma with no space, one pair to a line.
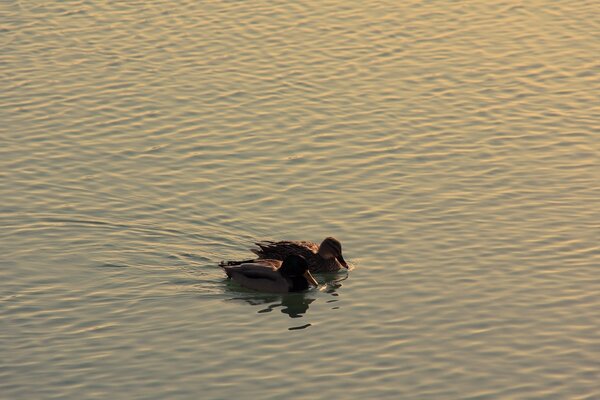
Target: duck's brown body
[326,257]
[308,250]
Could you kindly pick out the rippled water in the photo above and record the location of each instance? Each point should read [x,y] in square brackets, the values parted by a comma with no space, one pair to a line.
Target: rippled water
[452,147]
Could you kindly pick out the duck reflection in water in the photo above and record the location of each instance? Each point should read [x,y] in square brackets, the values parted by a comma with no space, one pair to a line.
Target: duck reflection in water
[295,305]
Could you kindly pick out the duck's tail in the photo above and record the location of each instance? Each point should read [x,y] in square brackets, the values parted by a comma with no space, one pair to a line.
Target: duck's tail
[266,249]
[232,263]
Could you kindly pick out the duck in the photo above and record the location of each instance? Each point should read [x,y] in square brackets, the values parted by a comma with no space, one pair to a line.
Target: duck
[326,257]
[273,276]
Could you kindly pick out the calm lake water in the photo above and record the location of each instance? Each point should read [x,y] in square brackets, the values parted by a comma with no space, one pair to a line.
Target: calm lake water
[452,147]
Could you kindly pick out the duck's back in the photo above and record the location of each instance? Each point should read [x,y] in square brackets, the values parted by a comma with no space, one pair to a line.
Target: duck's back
[280,250]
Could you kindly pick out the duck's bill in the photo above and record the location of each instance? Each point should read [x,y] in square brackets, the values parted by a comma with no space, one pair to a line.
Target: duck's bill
[342,261]
[311,279]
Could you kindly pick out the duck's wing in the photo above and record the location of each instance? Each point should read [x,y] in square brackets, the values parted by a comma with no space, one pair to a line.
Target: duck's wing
[253,267]
[280,250]
[259,276]
[275,264]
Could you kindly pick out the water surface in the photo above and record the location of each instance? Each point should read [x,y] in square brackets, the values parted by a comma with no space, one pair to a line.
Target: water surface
[452,147]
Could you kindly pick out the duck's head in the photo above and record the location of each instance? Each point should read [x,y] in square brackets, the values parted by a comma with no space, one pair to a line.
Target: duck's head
[294,267]
[332,248]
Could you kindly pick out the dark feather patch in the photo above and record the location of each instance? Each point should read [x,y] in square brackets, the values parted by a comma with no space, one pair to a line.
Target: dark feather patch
[232,263]
[255,275]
